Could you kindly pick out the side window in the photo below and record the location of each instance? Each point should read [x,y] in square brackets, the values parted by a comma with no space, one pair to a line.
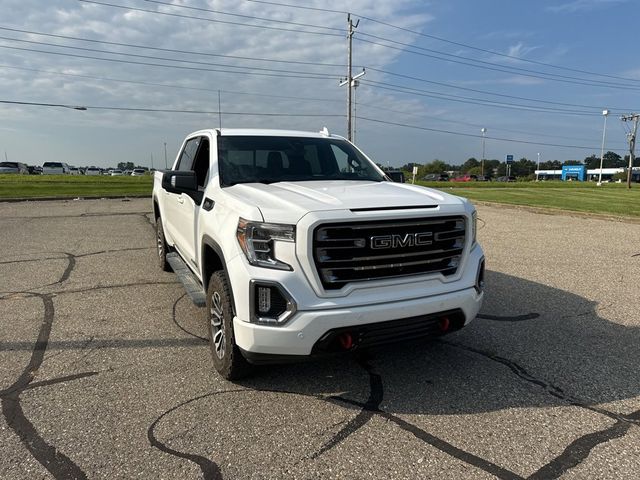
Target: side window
[201,164]
[185,163]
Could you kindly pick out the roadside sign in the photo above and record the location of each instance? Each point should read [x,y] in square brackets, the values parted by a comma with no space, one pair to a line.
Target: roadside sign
[509,159]
[415,170]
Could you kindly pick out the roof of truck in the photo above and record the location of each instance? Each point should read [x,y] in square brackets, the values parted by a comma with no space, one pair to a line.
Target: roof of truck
[228,132]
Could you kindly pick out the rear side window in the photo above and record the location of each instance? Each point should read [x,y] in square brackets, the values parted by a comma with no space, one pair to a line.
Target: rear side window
[9,164]
[52,164]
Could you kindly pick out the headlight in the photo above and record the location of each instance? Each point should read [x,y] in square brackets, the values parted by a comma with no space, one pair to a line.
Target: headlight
[474,227]
[257,242]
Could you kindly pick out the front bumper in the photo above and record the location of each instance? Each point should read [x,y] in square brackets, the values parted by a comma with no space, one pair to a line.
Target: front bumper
[299,336]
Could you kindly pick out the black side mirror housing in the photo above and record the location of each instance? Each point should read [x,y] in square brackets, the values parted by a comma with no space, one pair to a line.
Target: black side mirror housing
[176,181]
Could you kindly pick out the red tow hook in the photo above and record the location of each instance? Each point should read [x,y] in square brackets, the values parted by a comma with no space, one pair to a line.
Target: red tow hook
[346,340]
[444,324]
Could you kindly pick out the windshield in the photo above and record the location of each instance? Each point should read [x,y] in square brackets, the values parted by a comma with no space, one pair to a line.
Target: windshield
[279,159]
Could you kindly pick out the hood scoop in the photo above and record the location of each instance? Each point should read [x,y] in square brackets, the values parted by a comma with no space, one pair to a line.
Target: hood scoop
[383,209]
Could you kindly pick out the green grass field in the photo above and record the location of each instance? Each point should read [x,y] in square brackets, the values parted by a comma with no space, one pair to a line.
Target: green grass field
[34,186]
[608,199]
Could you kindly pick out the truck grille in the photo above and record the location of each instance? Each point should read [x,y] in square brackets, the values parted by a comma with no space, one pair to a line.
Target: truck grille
[374,250]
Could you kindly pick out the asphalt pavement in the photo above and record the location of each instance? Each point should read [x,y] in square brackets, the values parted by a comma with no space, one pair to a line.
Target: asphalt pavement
[105,370]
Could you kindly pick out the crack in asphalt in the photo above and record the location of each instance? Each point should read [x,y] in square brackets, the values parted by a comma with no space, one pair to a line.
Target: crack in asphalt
[210,470]
[368,409]
[578,450]
[372,407]
[56,462]
[551,389]
[175,320]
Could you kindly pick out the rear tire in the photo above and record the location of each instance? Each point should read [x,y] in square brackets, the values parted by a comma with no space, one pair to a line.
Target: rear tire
[227,358]
[161,244]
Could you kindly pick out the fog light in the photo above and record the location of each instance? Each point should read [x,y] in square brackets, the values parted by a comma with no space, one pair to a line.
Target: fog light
[270,303]
[264,299]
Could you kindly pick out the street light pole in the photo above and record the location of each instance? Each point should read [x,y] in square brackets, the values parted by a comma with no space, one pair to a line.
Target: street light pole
[605,113]
[483,130]
[165,156]
[538,170]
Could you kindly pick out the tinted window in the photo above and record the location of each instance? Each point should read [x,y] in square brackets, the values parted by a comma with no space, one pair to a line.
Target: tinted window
[276,159]
[185,163]
[52,164]
[9,164]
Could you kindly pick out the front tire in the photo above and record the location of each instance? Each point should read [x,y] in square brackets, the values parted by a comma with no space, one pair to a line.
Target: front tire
[227,358]
[161,243]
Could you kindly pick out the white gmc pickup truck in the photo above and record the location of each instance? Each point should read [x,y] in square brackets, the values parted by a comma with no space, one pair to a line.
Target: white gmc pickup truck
[299,245]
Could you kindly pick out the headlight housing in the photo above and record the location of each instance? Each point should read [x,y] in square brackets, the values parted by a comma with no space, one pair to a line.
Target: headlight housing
[257,241]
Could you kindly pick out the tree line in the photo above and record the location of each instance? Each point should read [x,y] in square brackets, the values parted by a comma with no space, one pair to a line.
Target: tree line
[519,168]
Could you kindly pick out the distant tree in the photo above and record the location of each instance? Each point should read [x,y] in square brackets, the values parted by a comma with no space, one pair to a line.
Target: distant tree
[592,162]
[573,162]
[126,166]
[436,166]
[523,167]
[551,165]
[475,171]
[469,164]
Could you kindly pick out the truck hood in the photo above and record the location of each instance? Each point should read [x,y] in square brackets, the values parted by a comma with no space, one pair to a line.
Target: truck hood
[288,202]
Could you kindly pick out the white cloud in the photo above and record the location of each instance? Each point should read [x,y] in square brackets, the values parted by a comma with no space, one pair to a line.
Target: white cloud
[583,5]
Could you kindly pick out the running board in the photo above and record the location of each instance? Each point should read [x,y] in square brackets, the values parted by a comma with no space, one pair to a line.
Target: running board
[188,279]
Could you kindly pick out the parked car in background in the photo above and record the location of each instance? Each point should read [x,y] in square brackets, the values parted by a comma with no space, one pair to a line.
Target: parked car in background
[436,177]
[34,170]
[138,172]
[14,167]
[506,179]
[483,178]
[92,171]
[465,178]
[55,168]
[116,173]
[74,171]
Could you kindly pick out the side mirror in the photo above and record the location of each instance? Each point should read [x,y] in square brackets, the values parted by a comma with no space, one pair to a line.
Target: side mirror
[179,182]
[175,181]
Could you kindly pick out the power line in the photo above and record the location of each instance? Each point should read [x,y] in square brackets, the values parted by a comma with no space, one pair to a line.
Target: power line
[385,122]
[171,50]
[471,100]
[251,17]
[227,22]
[451,42]
[178,60]
[180,67]
[484,92]
[288,97]
[499,68]
[167,110]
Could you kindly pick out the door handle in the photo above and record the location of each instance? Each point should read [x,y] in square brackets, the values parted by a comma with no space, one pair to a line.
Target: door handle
[180,200]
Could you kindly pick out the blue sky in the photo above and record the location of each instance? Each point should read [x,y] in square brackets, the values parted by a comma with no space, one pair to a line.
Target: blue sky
[405,101]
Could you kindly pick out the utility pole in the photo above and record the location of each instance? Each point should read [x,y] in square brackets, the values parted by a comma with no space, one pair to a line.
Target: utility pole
[605,114]
[165,156]
[483,130]
[219,111]
[151,161]
[350,81]
[631,138]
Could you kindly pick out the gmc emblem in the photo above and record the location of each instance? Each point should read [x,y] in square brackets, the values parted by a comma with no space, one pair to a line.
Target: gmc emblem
[397,240]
